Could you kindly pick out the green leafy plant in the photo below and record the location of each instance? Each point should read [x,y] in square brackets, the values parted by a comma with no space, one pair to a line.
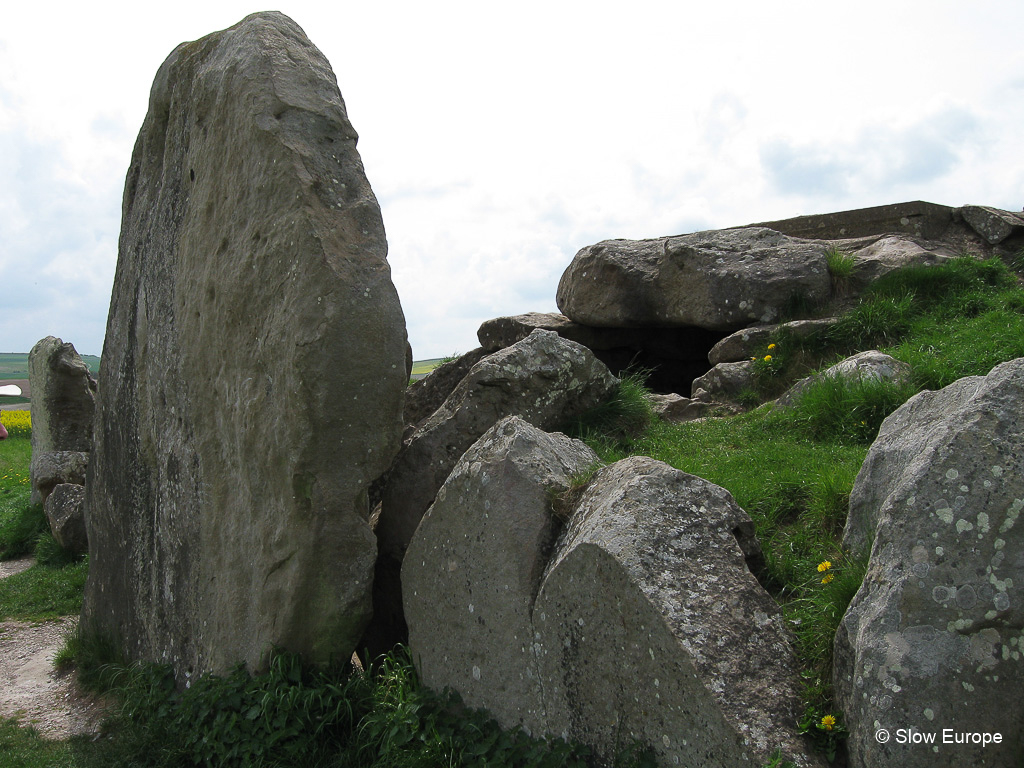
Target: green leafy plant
[826,731]
[777,760]
[770,364]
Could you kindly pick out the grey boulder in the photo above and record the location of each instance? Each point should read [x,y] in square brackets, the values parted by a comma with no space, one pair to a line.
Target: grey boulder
[544,379]
[52,468]
[994,224]
[63,403]
[721,280]
[725,380]
[749,342]
[65,512]
[651,626]
[474,566]
[933,638]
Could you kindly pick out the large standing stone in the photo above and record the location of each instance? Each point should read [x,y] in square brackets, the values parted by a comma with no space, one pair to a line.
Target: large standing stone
[253,369]
[934,639]
[651,626]
[63,402]
[475,564]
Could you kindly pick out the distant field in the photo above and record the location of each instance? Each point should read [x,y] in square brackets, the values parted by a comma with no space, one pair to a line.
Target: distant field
[421,368]
[14,365]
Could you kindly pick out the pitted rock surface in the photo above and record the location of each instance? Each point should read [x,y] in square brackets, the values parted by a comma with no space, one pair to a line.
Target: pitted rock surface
[720,280]
[253,369]
[473,568]
[684,650]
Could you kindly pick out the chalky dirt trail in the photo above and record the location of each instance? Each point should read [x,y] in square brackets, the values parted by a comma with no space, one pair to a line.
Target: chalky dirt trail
[31,689]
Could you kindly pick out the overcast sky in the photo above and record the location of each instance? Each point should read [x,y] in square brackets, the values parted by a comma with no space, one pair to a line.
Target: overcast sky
[502,138]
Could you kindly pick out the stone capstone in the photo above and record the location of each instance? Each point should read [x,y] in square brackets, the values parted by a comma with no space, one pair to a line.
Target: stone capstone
[63,402]
[933,638]
[720,280]
[253,369]
[65,513]
[474,566]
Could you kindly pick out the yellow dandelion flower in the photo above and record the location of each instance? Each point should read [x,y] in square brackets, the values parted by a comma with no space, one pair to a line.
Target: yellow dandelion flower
[771,346]
[824,566]
[767,358]
[827,578]
[828,722]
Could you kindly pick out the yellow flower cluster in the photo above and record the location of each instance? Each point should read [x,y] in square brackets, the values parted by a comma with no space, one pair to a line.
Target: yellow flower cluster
[828,722]
[18,423]
[825,567]
[13,478]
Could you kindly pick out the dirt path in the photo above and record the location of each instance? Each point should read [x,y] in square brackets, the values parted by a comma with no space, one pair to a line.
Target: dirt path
[30,688]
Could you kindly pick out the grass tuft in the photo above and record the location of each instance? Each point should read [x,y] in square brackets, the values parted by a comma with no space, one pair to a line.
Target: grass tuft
[839,408]
[841,267]
[620,419]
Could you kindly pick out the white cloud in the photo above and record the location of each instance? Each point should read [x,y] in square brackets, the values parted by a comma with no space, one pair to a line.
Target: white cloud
[501,139]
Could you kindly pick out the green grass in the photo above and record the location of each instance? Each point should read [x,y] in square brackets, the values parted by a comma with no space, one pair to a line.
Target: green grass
[43,592]
[22,747]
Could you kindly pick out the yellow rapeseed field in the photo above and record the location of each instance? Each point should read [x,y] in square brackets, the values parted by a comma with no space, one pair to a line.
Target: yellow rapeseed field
[18,423]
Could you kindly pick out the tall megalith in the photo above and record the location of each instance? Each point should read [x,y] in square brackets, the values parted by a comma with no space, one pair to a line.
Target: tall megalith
[253,370]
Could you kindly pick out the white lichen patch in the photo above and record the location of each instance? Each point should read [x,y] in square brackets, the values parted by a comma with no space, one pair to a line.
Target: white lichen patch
[944,511]
[1011,515]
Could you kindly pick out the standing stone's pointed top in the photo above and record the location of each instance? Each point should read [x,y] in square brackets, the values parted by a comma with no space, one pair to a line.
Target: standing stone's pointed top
[253,369]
